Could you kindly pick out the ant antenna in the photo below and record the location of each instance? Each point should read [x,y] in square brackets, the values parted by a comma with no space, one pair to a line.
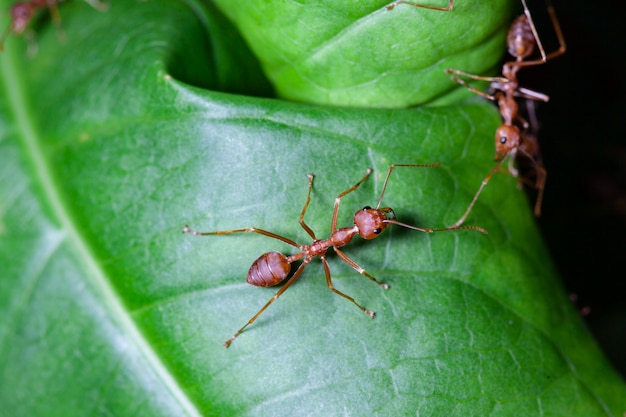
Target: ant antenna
[392,167]
[393,220]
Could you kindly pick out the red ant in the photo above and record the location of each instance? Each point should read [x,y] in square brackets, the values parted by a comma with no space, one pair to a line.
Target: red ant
[271,268]
[511,136]
[444,9]
[22,13]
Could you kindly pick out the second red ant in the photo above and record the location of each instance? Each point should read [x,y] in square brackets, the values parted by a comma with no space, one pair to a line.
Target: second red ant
[272,268]
[22,12]
[513,137]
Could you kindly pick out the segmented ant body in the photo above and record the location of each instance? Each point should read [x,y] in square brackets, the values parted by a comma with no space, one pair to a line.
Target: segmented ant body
[512,137]
[273,268]
[444,9]
[22,12]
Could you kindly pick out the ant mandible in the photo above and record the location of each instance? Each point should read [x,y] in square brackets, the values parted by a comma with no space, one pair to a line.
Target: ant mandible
[272,268]
[512,135]
[443,9]
[22,13]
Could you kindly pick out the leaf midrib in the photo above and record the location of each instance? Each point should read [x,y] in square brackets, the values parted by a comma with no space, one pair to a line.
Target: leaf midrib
[25,119]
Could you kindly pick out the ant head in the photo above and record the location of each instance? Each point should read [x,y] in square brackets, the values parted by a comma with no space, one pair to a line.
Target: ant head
[371,222]
[507,139]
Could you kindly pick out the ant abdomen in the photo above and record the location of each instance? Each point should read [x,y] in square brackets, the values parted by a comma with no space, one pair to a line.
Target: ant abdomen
[268,270]
[520,39]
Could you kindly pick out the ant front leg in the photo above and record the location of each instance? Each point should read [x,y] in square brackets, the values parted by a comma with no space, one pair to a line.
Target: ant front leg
[443,9]
[306,205]
[333,224]
[495,169]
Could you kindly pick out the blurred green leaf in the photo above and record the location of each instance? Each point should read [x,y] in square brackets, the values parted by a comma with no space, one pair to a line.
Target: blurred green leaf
[111,141]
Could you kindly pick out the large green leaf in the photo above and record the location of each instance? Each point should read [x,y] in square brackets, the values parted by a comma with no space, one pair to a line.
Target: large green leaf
[107,151]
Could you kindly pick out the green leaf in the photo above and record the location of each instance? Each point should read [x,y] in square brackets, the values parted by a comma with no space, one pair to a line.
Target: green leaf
[112,141]
[360,54]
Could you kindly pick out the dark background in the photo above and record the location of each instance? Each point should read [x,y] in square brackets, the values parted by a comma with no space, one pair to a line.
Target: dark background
[584,150]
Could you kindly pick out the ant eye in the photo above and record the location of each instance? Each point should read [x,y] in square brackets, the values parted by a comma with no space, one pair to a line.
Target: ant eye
[503,140]
[377,231]
[367,208]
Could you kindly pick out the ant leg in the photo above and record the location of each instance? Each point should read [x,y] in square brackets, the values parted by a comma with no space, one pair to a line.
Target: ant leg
[540,185]
[559,34]
[393,219]
[480,190]
[358,269]
[291,280]
[443,9]
[464,83]
[333,223]
[476,77]
[306,205]
[512,170]
[391,168]
[540,172]
[530,149]
[56,19]
[329,282]
[186,229]
[531,95]
[54,12]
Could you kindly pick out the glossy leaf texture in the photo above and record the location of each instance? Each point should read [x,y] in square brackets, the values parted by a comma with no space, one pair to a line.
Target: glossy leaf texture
[114,139]
[359,54]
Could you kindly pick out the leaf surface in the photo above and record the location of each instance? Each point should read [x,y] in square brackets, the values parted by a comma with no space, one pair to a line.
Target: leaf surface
[112,141]
[360,54]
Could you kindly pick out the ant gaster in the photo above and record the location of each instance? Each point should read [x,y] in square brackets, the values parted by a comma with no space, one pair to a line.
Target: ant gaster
[272,268]
[511,136]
